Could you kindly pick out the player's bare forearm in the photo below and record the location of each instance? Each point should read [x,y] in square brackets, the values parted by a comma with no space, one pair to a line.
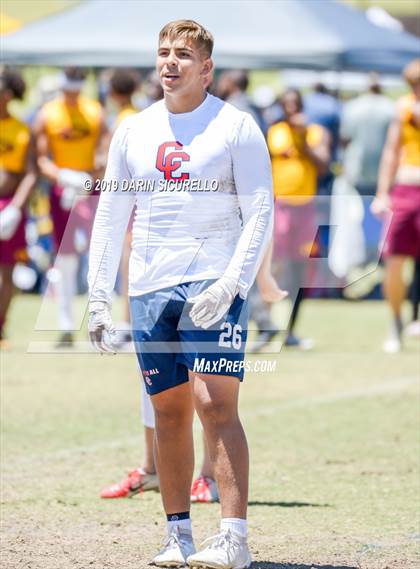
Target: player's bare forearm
[269,290]
[265,267]
[389,161]
[28,181]
[319,155]
[46,166]
[102,149]
[24,190]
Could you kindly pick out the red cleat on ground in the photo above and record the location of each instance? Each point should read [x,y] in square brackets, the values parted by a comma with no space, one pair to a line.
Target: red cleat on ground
[137,481]
[204,490]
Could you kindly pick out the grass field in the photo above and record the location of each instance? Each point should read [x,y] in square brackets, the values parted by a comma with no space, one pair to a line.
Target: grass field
[334,448]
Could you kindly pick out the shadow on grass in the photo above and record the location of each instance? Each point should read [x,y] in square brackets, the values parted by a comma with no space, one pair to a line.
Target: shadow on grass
[274,565]
[289,505]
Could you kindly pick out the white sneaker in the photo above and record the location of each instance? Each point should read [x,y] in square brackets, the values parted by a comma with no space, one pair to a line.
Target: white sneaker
[392,346]
[413,329]
[178,546]
[227,550]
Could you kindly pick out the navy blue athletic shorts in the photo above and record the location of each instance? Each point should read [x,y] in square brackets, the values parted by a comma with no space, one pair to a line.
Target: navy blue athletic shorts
[168,344]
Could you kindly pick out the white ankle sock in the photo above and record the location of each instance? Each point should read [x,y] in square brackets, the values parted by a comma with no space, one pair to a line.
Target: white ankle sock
[66,289]
[235,524]
[183,525]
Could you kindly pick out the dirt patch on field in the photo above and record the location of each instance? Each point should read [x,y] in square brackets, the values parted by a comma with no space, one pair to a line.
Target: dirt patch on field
[57,541]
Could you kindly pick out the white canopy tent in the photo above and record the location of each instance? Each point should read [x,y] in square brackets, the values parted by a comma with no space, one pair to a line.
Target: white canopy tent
[321,34]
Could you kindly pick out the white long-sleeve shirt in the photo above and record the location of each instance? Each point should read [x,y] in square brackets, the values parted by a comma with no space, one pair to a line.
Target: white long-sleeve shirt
[201,186]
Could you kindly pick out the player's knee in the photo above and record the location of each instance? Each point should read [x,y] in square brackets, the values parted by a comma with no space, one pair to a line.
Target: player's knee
[215,412]
[172,416]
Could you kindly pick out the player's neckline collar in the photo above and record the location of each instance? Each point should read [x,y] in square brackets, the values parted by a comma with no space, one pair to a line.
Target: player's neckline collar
[190,114]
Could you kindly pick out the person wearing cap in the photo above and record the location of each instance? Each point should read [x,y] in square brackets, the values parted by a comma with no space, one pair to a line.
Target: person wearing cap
[71,141]
[17,179]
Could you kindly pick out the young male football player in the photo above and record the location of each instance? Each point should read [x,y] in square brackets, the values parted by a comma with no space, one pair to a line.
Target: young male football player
[199,174]
[123,84]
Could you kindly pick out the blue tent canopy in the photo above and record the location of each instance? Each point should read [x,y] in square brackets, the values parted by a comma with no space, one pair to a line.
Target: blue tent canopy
[321,34]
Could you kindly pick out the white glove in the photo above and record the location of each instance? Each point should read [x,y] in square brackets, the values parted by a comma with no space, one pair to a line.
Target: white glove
[72,182]
[101,328]
[67,197]
[74,179]
[9,220]
[212,304]
[380,205]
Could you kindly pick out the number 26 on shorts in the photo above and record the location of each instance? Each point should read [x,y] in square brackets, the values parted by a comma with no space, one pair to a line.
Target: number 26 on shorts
[230,336]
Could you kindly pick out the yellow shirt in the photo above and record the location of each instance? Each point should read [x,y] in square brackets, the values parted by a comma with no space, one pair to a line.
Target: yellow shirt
[73,132]
[410,133]
[294,175]
[124,113]
[14,141]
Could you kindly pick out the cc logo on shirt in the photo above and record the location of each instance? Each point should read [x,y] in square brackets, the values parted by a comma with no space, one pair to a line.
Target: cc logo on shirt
[170,162]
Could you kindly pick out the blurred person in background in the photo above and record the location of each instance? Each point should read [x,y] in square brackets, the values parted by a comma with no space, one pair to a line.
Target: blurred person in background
[123,84]
[17,179]
[40,227]
[300,152]
[144,478]
[151,91]
[48,88]
[398,198]
[363,131]
[267,103]
[413,328]
[71,140]
[231,87]
[324,109]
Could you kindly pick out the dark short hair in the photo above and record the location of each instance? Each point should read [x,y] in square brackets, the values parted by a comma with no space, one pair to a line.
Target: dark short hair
[124,81]
[239,77]
[12,80]
[75,73]
[292,91]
